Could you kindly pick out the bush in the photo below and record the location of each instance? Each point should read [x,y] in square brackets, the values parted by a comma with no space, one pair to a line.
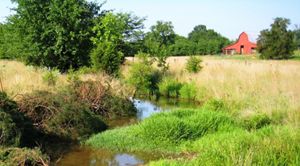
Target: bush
[188,91]
[143,76]
[51,77]
[193,64]
[169,87]
[24,156]
[74,112]
[10,135]
[73,77]
[15,128]
[76,121]
[107,58]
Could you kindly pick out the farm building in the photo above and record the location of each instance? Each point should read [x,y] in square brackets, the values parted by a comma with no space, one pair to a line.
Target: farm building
[242,46]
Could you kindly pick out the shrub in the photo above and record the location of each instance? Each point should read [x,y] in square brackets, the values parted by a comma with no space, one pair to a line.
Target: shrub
[74,112]
[24,156]
[51,77]
[73,77]
[15,128]
[169,87]
[107,58]
[143,76]
[188,91]
[193,64]
[76,121]
[10,135]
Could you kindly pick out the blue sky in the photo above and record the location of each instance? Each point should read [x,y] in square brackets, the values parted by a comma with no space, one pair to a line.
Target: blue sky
[228,17]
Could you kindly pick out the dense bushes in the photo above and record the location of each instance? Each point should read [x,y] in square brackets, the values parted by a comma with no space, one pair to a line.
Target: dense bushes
[15,128]
[74,112]
[22,156]
[143,77]
[193,64]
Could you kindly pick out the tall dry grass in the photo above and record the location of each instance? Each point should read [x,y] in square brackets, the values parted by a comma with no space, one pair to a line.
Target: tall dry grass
[271,87]
[17,78]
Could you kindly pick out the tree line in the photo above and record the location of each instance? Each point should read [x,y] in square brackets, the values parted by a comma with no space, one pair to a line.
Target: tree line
[70,34]
[75,33]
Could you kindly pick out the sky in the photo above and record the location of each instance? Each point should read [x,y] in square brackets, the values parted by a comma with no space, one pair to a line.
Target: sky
[227,17]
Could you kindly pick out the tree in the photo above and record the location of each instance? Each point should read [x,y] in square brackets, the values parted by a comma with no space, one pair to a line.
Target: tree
[278,42]
[297,36]
[182,46]
[113,34]
[207,40]
[57,31]
[158,41]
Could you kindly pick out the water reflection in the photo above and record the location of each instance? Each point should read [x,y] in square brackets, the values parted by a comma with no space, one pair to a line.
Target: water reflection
[88,157]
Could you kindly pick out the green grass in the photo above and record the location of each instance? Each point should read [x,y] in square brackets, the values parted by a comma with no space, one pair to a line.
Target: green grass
[211,135]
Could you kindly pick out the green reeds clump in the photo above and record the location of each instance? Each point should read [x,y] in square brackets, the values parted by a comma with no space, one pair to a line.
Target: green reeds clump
[165,130]
[169,87]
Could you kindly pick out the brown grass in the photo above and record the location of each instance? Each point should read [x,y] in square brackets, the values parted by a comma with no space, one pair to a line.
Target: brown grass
[16,79]
[254,85]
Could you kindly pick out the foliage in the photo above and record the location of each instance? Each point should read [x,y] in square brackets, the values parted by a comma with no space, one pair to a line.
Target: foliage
[188,91]
[73,77]
[114,32]
[297,36]
[9,133]
[193,64]
[11,46]
[278,42]
[58,32]
[169,87]
[158,41]
[143,76]
[182,46]
[50,77]
[22,156]
[15,128]
[207,41]
[75,111]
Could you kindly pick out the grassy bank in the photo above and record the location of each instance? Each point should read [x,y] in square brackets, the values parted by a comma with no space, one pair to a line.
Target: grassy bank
[211,135]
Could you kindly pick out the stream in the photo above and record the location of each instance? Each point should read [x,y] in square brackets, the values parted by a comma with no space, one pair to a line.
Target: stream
[84,156]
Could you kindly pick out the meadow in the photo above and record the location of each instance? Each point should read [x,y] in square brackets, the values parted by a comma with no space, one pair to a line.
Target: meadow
[249,112]
[249,116]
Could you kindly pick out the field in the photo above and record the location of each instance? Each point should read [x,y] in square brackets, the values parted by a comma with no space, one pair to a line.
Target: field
[255,85]
[250,116]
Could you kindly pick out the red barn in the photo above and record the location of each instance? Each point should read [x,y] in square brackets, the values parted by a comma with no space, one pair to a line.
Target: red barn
[242,46]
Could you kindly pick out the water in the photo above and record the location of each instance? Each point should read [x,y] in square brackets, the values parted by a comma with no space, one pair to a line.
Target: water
[82,156]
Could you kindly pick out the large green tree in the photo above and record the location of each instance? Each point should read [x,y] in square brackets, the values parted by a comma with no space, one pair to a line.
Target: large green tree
[114,33]
[207,41]
[158,41]
[278,42]
[58,31]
